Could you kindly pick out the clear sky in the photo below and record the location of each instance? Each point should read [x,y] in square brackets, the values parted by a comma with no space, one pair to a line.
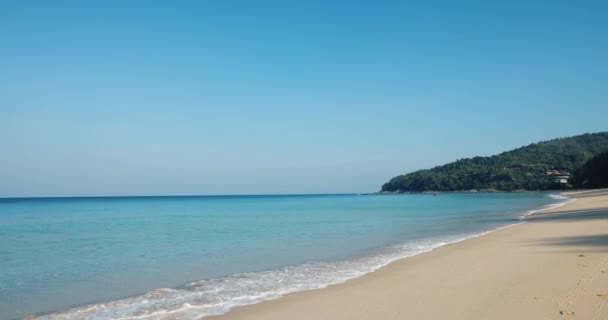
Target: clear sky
[253,97]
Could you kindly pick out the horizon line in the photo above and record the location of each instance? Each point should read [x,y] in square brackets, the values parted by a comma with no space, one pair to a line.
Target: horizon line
[185,195]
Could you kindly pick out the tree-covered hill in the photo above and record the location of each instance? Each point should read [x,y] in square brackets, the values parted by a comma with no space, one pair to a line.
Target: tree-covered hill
[594,173]
[539,166]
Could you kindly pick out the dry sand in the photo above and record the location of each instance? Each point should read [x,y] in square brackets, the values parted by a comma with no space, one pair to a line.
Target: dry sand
[557,263]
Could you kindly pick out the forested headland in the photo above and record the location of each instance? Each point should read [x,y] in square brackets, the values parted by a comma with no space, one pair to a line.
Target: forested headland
[579,161]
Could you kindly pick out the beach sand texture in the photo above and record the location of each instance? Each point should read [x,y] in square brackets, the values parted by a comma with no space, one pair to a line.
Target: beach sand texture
[554,267]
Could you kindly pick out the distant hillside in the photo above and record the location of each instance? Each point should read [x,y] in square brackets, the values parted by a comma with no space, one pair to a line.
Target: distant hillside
[594,173]
[545,165]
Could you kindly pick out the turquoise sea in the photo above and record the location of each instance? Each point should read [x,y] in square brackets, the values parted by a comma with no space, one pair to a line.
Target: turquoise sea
[186,257]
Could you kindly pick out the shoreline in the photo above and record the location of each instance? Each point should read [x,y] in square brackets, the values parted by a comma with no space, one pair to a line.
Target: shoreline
[294,305]
[341,272]
[462,238]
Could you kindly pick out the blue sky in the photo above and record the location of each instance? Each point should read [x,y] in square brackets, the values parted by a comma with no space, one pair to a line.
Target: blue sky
[254,97]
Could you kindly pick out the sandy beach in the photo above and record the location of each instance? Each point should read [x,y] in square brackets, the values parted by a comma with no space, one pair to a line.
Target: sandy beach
[553,267]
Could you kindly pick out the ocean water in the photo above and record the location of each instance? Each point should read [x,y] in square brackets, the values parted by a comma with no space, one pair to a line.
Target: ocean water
[187,257]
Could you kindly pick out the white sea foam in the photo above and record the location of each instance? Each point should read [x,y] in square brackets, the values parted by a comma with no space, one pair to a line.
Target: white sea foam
[558,196]
[216,296]
[563,201]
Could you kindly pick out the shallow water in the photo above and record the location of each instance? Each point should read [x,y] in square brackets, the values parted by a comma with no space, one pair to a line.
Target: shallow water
[108,257]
